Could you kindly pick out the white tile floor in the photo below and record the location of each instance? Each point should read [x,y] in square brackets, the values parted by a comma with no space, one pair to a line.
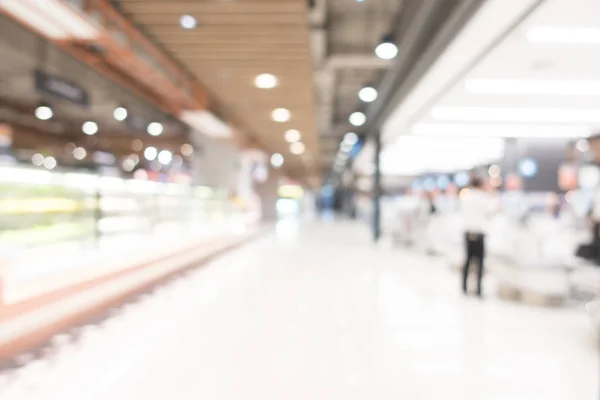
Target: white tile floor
[320,313]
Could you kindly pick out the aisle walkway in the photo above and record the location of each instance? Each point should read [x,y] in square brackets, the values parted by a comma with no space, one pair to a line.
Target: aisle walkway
[321,314]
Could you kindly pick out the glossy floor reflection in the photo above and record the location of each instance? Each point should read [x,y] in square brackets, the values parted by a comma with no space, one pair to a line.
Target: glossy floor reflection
[317,312]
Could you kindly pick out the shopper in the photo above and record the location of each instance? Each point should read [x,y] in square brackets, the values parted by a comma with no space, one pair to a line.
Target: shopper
[475,209]
[596,225]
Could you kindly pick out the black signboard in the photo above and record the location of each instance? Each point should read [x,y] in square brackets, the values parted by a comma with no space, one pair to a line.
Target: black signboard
[62,88]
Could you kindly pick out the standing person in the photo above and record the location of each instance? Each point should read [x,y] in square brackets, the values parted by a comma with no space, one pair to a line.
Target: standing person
[596,225]
[475,210]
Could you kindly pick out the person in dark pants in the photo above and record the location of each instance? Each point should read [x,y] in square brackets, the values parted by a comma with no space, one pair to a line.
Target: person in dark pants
[475,208]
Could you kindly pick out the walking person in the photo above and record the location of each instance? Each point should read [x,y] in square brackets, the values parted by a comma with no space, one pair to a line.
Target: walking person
[475,210]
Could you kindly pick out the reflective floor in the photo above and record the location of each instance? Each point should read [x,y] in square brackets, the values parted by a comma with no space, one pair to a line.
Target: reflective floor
[318,312]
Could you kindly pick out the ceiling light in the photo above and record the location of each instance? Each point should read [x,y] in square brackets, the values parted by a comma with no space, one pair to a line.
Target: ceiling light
[564,35]
[128,164]
[367,94]
[137,145]
[297,148]
[89,128]
[265,81]
[502,130]
[281,115]
[37,160]
[544,87]
[44,112]
[150,153]
[516,114]
[387,49]
[155,128]
[494,171]
[277,160]
[188,22]
[49,162]
[357,118]
[346,146]
[351,138]
[187,149]
[120,113]
[292,135]
[177,161]
[79,153]
[165,157]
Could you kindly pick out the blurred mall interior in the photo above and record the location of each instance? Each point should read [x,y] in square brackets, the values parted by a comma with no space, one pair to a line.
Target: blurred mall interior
[282,199]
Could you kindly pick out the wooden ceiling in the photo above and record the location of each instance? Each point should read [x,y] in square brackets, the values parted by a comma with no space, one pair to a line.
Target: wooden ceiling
[234,41]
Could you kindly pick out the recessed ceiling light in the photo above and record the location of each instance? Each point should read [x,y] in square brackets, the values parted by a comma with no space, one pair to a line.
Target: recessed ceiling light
[265,81]
[351,138]
[297,148]
[357,118]
[281,115]
[165,157]
[387,49]
[150,153]
[37,159]
[120,113]
[187,149]
[367,94]
[292,135]
[90,128]
[44,112]
[137,145]
[79,153]
[277,160]
[155,128]
[50,162]
[188,22]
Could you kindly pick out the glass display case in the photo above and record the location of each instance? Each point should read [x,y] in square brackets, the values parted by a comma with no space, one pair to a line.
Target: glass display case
[39,207]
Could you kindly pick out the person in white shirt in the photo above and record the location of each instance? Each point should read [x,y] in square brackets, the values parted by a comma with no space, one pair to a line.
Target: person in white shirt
[475,209]
[596,219]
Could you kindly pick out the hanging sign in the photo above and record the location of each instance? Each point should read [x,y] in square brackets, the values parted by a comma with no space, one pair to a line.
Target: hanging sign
[60,87]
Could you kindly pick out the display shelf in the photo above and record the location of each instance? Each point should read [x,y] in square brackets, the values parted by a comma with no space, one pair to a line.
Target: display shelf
[38,207]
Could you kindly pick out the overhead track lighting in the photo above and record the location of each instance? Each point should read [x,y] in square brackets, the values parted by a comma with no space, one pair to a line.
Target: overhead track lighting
[120,113]
[387,49]
[44,112]
[357,118]
[351,138]
[367,94]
